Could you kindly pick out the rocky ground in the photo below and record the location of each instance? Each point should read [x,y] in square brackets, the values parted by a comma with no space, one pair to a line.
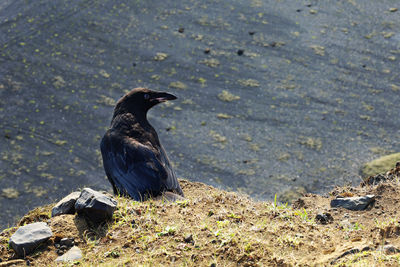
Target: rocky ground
[218,228]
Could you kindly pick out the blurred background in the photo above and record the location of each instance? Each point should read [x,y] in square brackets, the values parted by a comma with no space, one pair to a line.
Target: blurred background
[274,96]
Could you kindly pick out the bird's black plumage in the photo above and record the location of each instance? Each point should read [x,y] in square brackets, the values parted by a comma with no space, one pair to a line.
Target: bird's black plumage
[134,160]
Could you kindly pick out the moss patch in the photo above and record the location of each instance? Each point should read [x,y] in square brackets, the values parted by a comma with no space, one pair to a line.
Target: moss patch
[226,96]
[379,165]
[177,85]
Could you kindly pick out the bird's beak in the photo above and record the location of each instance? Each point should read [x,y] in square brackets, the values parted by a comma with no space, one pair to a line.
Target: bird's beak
[162,97]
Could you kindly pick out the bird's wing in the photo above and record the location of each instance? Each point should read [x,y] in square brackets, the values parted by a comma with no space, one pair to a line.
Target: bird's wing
[171,183]
[131,167]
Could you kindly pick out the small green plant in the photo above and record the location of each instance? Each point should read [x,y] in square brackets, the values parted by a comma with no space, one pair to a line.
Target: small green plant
[222,224]
[384,224]
[357,226]
[234,216]
[182,203]
[217,233]
[248,248]
[169,230]
[292,241]
[353,227]
[277,206]
[112,254]
[303,214]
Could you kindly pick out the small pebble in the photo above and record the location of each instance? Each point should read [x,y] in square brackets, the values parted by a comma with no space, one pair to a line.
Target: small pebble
[189,239]
[69,242]
[390,249]
[324,218]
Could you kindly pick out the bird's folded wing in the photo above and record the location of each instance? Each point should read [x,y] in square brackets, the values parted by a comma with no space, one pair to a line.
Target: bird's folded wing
[134,169]
[171,183]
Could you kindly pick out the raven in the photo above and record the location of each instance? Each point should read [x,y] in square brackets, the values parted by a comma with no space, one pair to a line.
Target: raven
[134,160]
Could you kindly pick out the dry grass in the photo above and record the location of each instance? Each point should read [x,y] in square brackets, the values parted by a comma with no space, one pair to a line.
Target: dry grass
[217,228]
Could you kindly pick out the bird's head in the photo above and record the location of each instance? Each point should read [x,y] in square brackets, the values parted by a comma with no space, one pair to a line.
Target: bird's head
[140,100]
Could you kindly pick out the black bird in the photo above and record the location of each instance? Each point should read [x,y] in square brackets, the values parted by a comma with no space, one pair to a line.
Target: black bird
[134,159]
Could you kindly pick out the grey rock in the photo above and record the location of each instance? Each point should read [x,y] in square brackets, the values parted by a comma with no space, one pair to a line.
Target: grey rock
[353,203]
[71,255]
[68,242]
[29,236]
[95,206]
[66,205]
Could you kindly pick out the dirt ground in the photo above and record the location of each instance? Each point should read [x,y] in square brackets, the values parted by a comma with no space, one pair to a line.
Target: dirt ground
[218,228]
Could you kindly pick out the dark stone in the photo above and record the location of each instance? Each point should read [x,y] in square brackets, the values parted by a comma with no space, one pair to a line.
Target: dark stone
[240,52]
[68,242]
[66,205]
[351,251]
[95,206]
[324,218]
[181,30]
[353,203]
[29,236]
[207,51]
[189,239]
[389,249]
[252,33]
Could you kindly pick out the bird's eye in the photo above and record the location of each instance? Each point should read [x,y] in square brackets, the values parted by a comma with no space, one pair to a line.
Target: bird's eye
[146,96]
